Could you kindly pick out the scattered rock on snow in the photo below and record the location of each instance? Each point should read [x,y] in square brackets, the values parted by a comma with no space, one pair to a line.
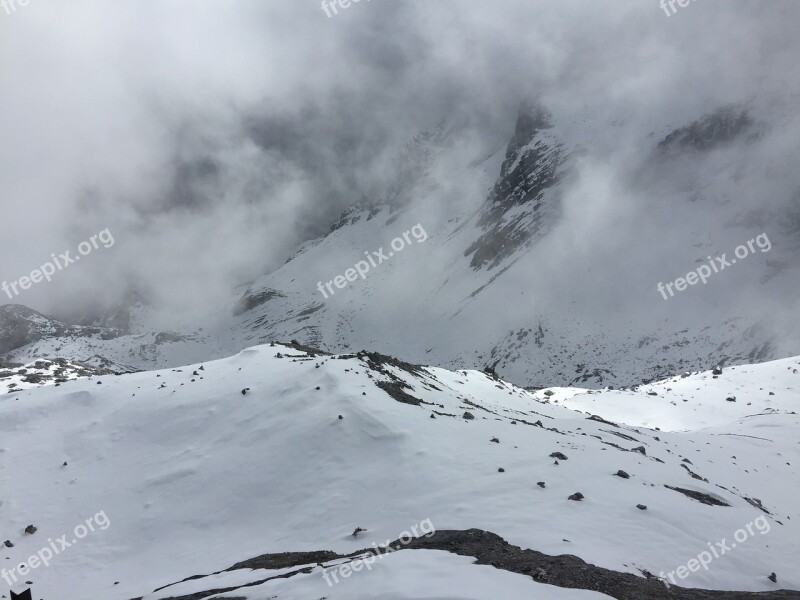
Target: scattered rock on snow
[699,496]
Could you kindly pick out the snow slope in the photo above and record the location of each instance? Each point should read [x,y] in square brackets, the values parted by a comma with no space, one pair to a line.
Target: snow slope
[194,475]
[698,400]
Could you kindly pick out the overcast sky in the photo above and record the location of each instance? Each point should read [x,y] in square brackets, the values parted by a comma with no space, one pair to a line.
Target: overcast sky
[211,137]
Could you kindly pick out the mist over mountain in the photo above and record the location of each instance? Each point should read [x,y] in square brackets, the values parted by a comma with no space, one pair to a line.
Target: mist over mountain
[213,151]
[506,289]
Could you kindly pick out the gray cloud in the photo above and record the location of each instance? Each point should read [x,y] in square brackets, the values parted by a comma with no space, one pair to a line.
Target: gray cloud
[212,138]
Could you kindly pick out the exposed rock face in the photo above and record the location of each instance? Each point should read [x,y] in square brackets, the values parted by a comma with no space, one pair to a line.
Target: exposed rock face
[714,130]
[14,378]
[533,165]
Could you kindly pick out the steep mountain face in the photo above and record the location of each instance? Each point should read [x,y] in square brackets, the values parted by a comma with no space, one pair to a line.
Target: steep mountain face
[523,204]
[512,255]
[261,475]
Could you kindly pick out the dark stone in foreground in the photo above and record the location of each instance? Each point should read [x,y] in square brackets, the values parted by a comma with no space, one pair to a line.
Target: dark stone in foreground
[570,571]
[564,571]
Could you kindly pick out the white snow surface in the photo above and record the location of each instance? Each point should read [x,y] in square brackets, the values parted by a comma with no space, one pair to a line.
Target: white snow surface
[194,476]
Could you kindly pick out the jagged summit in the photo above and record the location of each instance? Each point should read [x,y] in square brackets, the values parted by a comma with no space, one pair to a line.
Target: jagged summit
[524,203]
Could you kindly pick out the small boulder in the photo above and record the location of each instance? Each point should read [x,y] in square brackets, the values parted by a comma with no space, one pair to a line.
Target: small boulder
[540,484]
[622,474]
[577,496]
[469,416]
[30,530]
[641,507]
[558,455]
[772,577]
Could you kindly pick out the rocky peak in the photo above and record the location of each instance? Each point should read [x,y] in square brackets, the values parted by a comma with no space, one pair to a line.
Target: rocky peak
[713,130]
[534,161]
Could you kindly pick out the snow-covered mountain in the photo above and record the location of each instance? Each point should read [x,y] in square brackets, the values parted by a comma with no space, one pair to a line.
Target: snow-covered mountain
[248,477]
[540,278]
